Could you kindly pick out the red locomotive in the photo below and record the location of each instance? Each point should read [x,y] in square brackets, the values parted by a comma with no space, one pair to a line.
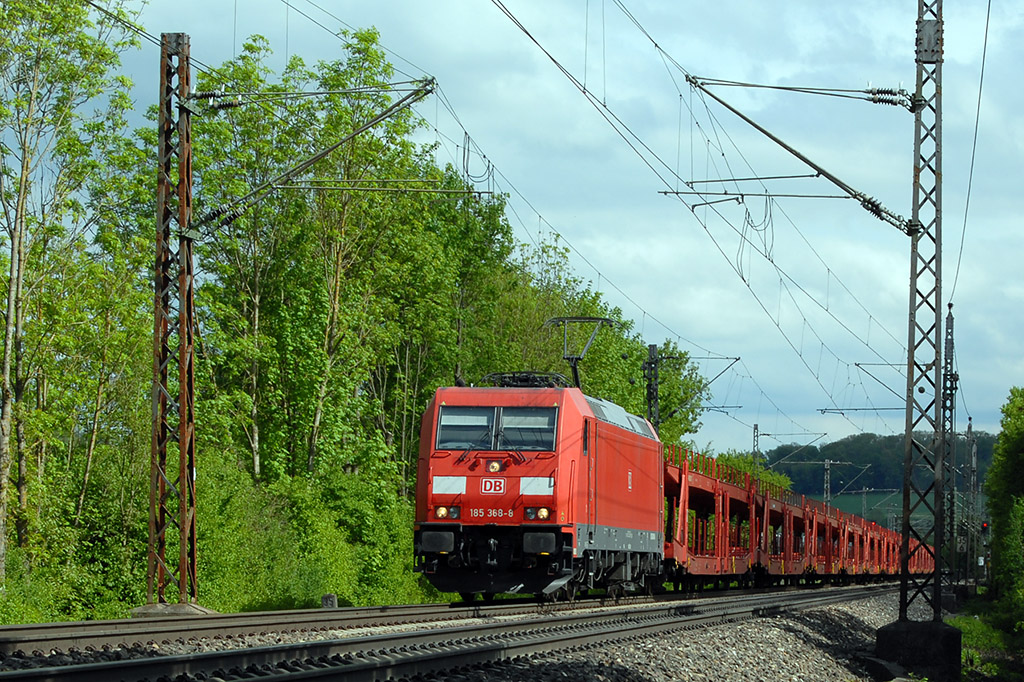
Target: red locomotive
[535,489]
[540,488]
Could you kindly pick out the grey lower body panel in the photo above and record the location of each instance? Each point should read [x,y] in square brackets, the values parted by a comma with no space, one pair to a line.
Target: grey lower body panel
[597,537]
[493,559]
[533,559]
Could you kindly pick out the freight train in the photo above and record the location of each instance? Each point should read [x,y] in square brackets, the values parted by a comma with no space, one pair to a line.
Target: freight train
[533,487]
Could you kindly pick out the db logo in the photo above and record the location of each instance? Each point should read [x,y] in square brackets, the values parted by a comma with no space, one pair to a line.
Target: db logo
[492,486]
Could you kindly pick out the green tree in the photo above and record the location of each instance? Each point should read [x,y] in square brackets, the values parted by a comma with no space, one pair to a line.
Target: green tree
[235,153]
[681,394]
[56,59]
[452,257]
[754,465]
[328,312]
[545,287]
[1005,489]
[316,290]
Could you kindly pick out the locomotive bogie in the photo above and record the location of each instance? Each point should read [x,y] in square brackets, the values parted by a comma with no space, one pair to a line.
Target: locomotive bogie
[493,559]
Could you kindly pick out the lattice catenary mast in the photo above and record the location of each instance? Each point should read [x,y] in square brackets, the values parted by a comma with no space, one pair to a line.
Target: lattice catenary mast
[952,539]
[924,353]
[172,487]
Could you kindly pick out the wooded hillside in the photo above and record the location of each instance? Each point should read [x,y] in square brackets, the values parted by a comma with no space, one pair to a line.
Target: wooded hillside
[882,454]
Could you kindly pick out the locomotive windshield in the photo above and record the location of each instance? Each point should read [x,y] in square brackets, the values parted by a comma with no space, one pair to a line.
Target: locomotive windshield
[527,428]
[465,428]
[518,428]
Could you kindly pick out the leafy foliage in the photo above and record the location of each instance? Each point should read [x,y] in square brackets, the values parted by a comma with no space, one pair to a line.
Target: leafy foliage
[73,372]
[989,651]
[329,312]
[754,465]
[1005,489]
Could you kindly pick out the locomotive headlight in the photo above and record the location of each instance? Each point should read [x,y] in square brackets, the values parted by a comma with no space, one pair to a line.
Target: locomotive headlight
[543,513]
[494,466]
[531,513]
[446,512]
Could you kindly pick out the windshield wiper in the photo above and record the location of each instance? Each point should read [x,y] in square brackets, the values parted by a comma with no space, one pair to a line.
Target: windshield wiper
[474,448]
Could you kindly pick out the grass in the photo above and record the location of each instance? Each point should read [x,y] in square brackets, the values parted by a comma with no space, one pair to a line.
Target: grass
[988,652]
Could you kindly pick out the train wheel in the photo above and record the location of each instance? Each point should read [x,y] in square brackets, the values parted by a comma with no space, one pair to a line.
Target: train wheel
[561,594]
[571,589]
[467,596]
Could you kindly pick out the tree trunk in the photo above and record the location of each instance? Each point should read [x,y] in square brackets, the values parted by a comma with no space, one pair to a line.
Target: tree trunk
[254,438]
[21,520]
[42,390]
[94,428]
[314,434]
[17,236]
[409,420]
[90,451]
[336,254]
[7,394]
[254,413]
[253,430]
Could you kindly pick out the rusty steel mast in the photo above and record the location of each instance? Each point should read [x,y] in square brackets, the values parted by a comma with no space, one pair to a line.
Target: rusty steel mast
[173,488]
[172,495]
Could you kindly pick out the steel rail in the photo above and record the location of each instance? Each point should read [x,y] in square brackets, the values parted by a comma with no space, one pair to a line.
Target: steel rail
[111,633]
[393,655]
[85,635]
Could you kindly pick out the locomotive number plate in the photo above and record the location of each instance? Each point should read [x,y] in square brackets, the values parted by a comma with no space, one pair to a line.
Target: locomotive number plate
[490,513]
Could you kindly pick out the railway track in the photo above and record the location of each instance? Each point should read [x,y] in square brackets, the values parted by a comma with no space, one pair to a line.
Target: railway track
[487,637]
[95,635]
[92,635]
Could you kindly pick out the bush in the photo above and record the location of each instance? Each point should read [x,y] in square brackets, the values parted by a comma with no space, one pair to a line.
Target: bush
[988,650]
[1010,568]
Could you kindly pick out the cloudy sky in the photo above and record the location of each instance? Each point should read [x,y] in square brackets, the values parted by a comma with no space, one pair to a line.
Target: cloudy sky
[810,293]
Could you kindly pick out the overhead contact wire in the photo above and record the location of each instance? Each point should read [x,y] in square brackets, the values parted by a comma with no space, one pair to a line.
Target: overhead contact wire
[619,131]
[974,149]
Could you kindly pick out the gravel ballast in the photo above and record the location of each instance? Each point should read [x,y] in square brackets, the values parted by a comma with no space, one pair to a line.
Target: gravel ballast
[819,644]
[813,645]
